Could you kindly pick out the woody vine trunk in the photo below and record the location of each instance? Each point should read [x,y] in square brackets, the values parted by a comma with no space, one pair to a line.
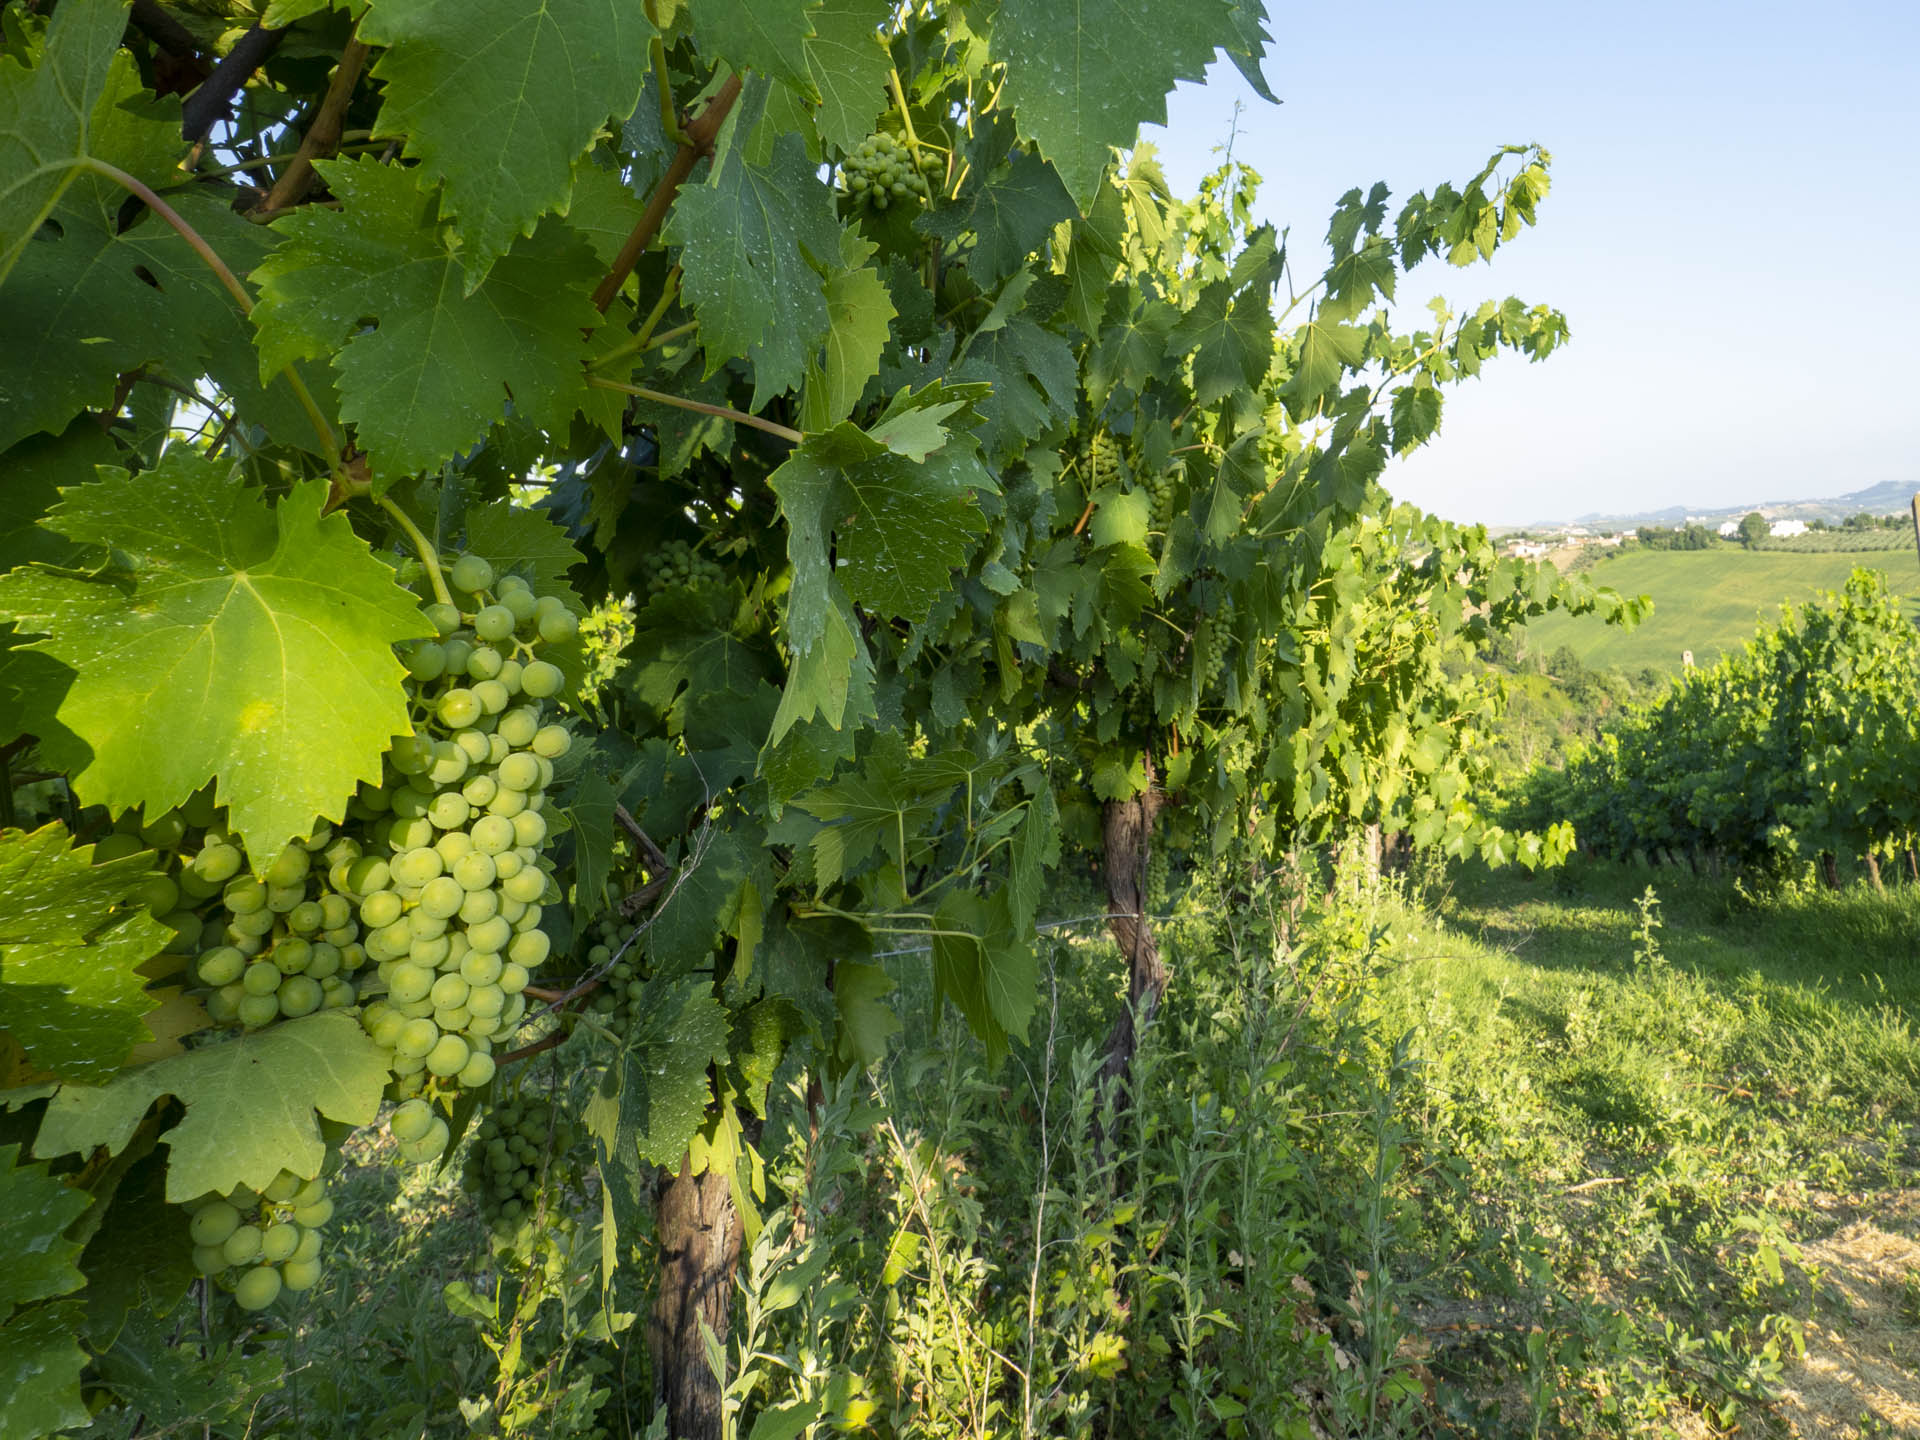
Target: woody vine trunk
[699,1234]
[1127,836]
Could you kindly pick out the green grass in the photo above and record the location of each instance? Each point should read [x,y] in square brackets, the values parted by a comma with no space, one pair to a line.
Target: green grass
[1706,601]
[1688,1126]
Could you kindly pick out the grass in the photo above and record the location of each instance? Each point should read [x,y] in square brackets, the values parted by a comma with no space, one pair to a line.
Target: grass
[1706,601]
[1699,1120]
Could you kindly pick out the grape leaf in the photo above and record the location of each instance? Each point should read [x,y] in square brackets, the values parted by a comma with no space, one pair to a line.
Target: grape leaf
[824,646]
[767,36]
[242,643]
[249,1101]
[46,115]
[71,939]
[437,371]
[1010,216]
[655,1093]
[867,1022]
[1034,379]
[40,1365]
[498,98]
[1084,75]
[848,63]
[1249,45]
[528,543]
[1327,351]
[35,1211]
[860,312]
[750,239]
[36,469]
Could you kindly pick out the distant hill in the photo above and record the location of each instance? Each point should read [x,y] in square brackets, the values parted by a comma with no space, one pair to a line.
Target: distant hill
[1887,498]
[1707,601]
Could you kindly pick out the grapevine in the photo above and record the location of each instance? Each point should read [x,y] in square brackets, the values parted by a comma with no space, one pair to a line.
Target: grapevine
[257,1244]
[879,172]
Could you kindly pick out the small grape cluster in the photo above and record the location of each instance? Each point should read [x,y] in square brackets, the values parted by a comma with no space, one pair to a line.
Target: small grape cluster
[449,890]
[620,983]
[677,564]
[1103,457]
[1163,494]
[880,172]
[1216,640]
[258,1243]
[504,1165]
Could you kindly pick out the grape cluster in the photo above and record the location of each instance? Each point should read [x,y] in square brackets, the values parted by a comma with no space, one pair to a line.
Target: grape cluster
[880,171]
[677,563]
[1216,641]
[1103,457]
[620,984]
[258,1243]
[1163,493]
[504,1165]
[449,887]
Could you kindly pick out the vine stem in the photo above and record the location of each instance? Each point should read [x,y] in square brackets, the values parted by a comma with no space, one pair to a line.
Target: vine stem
[700,136]
[906,119]
[225,276]
[680,402]
[429,557]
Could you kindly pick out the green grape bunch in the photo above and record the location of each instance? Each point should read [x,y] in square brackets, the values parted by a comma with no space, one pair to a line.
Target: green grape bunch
[677,564]
[620,983]
[451,868]
[880,172]
[1103,459]
[505,1164]
[260,1243]
[1163,492]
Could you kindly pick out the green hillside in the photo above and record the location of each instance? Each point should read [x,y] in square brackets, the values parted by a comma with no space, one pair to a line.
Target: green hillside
[1707,600]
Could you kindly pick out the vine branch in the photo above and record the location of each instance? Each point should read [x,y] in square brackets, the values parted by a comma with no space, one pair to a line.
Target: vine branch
[222,273]
[210,101]
[700,136]
[429,557]
[323,135]
[680,402]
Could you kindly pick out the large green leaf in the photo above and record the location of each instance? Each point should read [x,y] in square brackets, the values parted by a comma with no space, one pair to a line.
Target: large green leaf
[498,98]
[654,1094]
[767,36]
[1084,75]
[848,63]
[437,371]
[40,1365]
[751,239]
[46,113]
[1009,217]
[241,643]
[72,937]
[35,1211]
[250,1104]
[528,543]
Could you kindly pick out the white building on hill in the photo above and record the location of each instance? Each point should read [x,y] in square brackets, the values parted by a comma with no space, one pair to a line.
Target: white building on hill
[1785,529]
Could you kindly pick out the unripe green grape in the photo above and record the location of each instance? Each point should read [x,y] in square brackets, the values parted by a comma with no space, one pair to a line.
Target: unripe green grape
[166,832]
[519,725]
[385,1032]
[507,803]
[258,1288]
[292,955]
[471,573]
[492,834]
[497,749]
[209,1259]
[223,1005]
[449,992]
[410,803]
[512,675]
[558,627]
[529,829]
[425,660]
[541,679]
[529,948]
[480,968]
[519,771]
[159,894]
[429,1146]
[414,868]
[453,1020]
[380,909]
[459,708]
[305,918]
[314,1214]
[213,1222]
[493,696]
[412,834]
[448,1057]
[217,863]
[417,1038]
[282,898]
[511,910]
[409,982]
[552,742]
[475,871]
[262,977]
[244,896]
[479,791]
[444,618]
[221,965]
[195,888]
[289,867]
[411,1120]
[278,1242]
[527,886]
[300,1275]
[450,763]
[492,936]
[519,600]
[486,1001]
[325,961]
[308,1249]
[352,956]
[495,622]
[479,1027]
[242,1247]
[529,921]
[449,811]
[485,663]
[368,876]
[513,978]
[476,1072]
[300,995]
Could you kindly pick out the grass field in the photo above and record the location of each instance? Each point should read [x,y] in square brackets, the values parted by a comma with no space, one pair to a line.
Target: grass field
[1707,601]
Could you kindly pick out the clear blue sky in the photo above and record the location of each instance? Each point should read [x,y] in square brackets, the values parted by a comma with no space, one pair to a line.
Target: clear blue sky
[1733,233]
